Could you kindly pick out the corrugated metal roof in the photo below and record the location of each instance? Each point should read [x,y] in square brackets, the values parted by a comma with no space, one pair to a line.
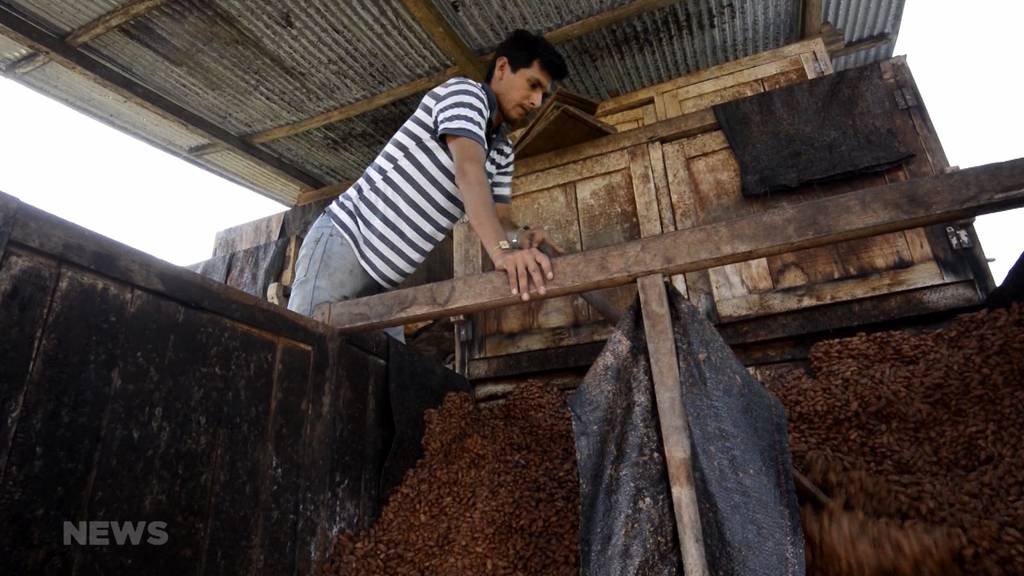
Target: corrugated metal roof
[251,65]
[863,19]
[63,17]
[10,51]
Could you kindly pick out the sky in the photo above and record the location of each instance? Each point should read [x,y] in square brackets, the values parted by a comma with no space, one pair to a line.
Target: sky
[962,56]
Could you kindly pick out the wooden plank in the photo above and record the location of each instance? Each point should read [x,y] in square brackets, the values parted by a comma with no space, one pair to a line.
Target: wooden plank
[282,464]
[153,464]
[671,129]
[445,37]
[248,235]
[861,45]
[734,80]
[561,127]
[741,280]
[504,344]
[811,18]
[644,193]
[661,187]
[98,27]
[586,168]
[856,214]
[73,244]
[48,475]
[680,184]
[605,19]
[890,281]
[329,191]
[849,315]
[690,105]
[783,79]
[675,429]
[647,95]
[541,360]
[15,27]
[705,143]
[27,282]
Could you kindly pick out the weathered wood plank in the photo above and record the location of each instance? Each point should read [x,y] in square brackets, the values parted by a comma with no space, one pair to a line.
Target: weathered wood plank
[445,37]
[71,243]
[884,282]
[150,466]
[675,429]
[48,475]
[645,95]
[282,464]
[644,193]
[586,168]
[26,288]
[791,227]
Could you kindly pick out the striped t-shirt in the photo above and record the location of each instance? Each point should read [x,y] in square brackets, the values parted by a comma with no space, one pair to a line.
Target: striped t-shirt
[406,201]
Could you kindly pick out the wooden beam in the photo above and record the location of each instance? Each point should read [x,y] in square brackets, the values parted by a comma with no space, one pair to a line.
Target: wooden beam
[675,429]
[605,19]
[442,33]
[16,27]
[340,113]
[319,194]
[858,214]
[92,30]
[865,44]
[811,18]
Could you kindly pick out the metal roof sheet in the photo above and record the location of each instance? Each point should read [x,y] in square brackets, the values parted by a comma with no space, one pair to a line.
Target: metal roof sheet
[252,65]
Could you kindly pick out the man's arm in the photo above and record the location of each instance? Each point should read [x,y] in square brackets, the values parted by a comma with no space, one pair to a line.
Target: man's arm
[521,265]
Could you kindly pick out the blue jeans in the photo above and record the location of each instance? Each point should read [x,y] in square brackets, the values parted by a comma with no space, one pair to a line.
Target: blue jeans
[328,270]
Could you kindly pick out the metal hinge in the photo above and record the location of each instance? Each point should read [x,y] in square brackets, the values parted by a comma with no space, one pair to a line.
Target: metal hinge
[905,98]
[959,238]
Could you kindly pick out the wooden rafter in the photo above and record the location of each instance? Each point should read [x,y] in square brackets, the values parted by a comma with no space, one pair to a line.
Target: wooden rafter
[811,18]
[442,33]
[857,214]
[860,45]
[16,27]
[563,34]
[90,31]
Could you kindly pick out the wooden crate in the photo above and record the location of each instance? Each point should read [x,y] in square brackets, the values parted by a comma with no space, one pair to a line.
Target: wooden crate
[671,168]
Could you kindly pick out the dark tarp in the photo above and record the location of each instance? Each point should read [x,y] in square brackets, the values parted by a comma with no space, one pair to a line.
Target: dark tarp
[831,127]
[742,469]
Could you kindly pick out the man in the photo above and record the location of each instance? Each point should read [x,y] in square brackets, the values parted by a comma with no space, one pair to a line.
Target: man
[451,157]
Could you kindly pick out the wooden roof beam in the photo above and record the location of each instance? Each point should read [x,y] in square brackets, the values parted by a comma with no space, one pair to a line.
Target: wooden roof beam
[563,34]
[98,27]
[18,28]
[446,38]
[858,214]
[865,44]
[811,17]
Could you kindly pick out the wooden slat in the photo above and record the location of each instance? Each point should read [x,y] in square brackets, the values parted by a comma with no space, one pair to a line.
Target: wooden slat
[856,214]
[15,27]
[865,44]
[442,33]
[329,191]
[92,30]
[647,95]
[675,429]
[812,18]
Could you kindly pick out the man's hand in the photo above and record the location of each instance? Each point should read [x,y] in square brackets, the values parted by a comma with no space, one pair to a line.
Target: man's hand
[537,237]
[521,266]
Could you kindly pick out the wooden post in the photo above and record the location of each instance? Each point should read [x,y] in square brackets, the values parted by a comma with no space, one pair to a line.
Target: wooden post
[675,431]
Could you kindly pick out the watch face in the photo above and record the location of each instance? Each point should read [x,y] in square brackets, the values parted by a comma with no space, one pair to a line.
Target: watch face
[504,245]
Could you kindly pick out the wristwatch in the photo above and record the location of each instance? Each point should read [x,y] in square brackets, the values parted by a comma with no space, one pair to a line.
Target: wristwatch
[505,245]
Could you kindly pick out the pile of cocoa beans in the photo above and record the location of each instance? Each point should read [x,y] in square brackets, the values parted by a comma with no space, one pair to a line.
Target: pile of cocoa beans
[496,492]
[921,432]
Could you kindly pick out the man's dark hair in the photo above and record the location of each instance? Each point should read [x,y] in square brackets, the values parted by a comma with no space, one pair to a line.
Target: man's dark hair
[522,48]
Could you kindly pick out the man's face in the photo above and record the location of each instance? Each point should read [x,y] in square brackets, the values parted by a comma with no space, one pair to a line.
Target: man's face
[519,92]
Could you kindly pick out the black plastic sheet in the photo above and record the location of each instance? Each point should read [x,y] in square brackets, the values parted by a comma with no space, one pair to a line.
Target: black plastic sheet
[831,127]
[742,468]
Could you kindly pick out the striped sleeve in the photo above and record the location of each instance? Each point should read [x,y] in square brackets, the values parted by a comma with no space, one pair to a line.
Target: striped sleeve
[461,110]
[501,188]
